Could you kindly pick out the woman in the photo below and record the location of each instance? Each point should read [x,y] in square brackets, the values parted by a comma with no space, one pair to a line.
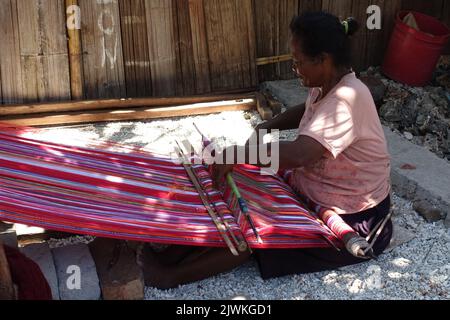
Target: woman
[339,162]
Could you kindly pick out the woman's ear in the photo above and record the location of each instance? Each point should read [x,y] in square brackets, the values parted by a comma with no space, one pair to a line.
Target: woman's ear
[326,59]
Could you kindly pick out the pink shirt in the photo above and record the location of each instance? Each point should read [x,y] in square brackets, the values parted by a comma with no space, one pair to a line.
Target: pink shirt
[354,175]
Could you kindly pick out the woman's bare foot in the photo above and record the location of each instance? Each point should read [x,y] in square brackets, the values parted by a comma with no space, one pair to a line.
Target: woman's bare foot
[155,274]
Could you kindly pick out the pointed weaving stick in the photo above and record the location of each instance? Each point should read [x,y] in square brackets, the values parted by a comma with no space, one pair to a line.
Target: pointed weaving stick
[193,177]
[242,203]
[242,245]
[243,206]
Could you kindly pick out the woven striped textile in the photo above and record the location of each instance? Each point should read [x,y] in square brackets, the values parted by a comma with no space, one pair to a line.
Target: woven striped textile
[130,194]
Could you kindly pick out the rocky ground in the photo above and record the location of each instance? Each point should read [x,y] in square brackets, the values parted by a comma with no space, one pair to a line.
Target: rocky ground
[421,114]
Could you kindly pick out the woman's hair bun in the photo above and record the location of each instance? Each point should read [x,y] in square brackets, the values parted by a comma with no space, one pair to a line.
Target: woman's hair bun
[350,26]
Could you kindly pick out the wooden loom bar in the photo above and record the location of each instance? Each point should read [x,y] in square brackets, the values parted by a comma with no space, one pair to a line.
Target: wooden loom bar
[128,113]
[85,105]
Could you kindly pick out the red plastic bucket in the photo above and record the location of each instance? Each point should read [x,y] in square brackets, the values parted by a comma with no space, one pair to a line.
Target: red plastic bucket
[412,55]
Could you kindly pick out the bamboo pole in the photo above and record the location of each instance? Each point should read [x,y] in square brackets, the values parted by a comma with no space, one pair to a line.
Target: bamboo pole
[75,54]
[274,59]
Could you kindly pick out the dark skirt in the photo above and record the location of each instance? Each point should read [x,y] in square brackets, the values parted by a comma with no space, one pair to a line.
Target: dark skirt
[281,262]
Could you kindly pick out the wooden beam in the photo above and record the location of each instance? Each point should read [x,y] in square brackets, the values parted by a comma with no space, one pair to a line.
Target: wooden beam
[274,104]
[86,105]
[75,57]
[263,106]
[128,114]
[7,291]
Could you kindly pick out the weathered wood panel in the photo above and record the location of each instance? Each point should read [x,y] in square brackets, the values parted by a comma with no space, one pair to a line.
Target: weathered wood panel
[133,20]
[446,12]
[341,8]
[199,46]
[141,48]
[288,10]
[29,48]
[430,7]
[390,10]
[368,46]
[184,49]
[1,89]
[357,9]
[266,29]
[359,39]
[162,46]
[272,19]
[232,58]
[245,28]
[102,49]
[43,50]
[10,64]
[309,5]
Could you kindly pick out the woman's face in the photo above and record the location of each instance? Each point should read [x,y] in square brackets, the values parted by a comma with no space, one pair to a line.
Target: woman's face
[310,71]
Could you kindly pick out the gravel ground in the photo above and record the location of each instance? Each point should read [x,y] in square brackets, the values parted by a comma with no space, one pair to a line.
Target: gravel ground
[417,269]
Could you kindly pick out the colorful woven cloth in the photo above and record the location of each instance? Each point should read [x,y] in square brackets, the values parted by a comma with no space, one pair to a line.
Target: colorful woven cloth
[136,195]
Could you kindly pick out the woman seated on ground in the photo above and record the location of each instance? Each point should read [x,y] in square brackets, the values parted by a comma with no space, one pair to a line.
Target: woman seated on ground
[339,161]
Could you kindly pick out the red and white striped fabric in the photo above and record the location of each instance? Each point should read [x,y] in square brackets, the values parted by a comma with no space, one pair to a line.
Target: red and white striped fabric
[136,195]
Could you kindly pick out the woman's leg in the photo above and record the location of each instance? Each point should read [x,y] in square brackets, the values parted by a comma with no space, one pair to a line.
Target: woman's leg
[281,262]
[174,254]
[198,264]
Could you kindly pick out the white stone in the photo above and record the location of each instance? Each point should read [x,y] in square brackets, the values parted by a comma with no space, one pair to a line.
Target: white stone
[9,238]
[77,274]
[41,254]
[357,286]
[408,135]
[374,279]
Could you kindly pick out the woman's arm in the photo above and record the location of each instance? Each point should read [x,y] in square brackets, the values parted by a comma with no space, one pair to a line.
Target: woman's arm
[290,119]
[287,155]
